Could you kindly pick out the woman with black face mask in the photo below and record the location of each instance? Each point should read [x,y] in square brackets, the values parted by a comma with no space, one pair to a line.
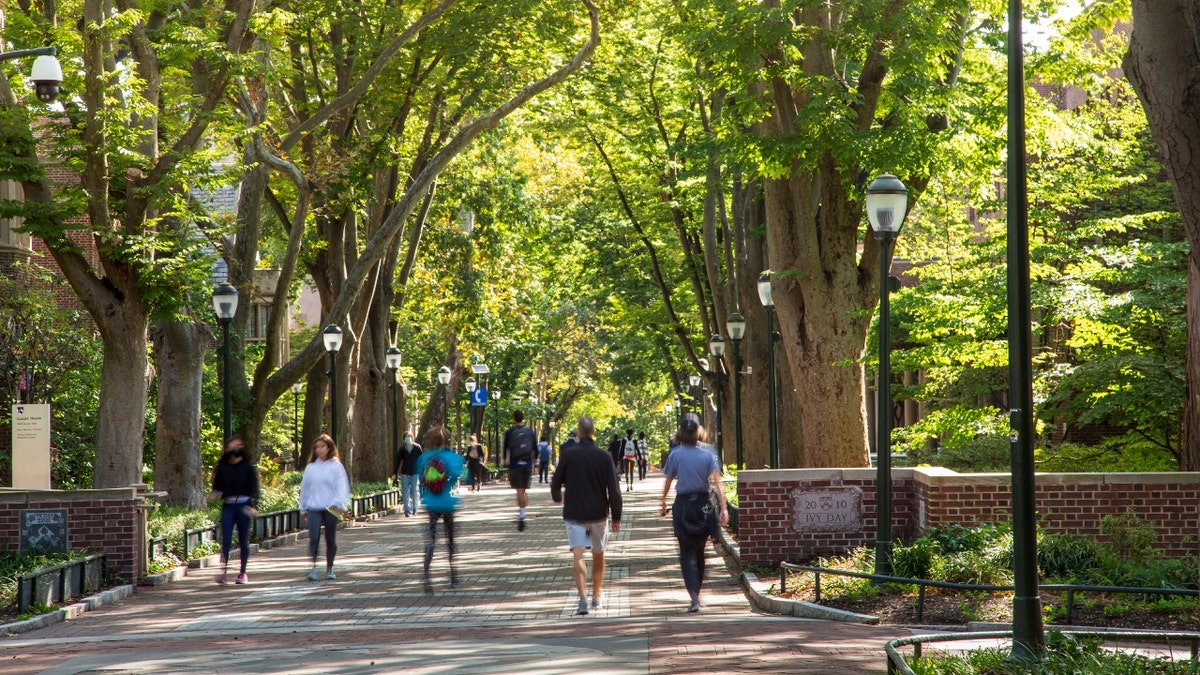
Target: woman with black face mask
[235,481]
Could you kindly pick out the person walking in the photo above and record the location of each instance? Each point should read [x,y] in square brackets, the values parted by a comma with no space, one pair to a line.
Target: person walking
[614,451]
[439,470]
[324,494]
[694,470]
[520,448]
[405,464]
[585,484]
[643,455]
[476,458]
[235,483]
[629,458]
[545,458]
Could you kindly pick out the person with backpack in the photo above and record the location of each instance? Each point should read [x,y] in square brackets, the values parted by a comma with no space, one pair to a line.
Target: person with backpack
[476,457]
[643,455]
[438,471]
[545,457]
[629,458]
[519,452]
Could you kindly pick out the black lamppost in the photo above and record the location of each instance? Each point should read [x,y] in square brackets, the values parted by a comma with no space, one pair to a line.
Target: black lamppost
[887,204]
[332,336]
[392,357]
[697,394]
[716,347]
[764,294]
[296,422]
[443,376]
[1029,639]
[496,426]
[470,384]
[46,73]
[225,300]
[679,410]
[736,325]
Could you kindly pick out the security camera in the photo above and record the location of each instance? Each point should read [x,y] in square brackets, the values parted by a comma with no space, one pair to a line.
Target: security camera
[47,75]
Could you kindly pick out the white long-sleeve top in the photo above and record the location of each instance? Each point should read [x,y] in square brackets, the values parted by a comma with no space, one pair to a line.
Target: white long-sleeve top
[325,484]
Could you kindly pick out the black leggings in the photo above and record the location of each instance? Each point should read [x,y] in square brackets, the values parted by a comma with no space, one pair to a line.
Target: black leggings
[629,467]
[448,523]
[315,520]
[235,515]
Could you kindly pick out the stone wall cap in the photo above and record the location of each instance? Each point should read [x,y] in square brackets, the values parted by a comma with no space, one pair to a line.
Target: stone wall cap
[19,496]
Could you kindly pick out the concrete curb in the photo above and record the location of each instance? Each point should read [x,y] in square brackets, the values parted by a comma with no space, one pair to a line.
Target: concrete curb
[761,598]
[72,611]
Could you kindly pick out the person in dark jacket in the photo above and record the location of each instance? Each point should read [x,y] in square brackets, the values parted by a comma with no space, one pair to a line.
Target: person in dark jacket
[235,482]
[591,494]
[405,464]
[614,451]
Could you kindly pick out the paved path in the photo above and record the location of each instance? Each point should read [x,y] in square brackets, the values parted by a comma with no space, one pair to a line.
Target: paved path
[513,613]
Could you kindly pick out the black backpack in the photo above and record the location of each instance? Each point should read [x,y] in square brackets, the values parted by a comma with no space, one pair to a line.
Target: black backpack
[523,443]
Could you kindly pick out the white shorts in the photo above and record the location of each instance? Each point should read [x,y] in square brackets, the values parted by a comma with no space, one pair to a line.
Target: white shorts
[592,536]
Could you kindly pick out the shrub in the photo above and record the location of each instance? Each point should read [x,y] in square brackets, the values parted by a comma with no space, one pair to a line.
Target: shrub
[1067,558]
[916,561]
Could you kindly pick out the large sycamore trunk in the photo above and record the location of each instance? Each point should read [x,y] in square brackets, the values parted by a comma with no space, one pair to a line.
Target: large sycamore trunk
[1163,65]
[121,420]
[178,468]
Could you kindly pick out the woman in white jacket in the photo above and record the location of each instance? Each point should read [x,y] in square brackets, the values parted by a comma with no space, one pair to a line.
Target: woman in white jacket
[324,494]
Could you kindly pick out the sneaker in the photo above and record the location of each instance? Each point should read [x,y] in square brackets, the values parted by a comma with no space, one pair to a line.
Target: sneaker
[694,607]
[330,575]
[243,579]
[521,528]
[312,574]
[596,604]
[455,585]
[223,579]
[583,606]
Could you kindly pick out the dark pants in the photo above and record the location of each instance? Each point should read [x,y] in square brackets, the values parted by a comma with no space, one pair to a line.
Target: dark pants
[475,469]
[315,520]
[692,509]
[691,562]
[448,522]
[629,473]
[235,515]
[544,472]
[642,469]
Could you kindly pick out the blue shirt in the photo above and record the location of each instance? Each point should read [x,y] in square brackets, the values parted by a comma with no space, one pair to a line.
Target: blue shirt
[438,471]
[691,466]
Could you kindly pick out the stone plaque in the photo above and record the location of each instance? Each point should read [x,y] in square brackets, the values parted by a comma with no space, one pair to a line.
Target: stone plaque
[830,509]
[44,531]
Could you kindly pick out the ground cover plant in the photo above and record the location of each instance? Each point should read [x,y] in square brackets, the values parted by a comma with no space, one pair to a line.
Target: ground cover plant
[1124,555]
[1065,655]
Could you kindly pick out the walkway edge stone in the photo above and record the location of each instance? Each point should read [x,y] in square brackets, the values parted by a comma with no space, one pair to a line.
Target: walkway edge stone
[72,611]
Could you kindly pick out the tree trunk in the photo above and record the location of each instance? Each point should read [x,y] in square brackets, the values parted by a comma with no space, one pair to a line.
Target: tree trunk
[1163,65]
[372,428]
[124,384]
[178,468]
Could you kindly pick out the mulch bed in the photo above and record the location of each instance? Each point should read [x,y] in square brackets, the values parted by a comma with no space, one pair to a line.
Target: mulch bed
[943,609]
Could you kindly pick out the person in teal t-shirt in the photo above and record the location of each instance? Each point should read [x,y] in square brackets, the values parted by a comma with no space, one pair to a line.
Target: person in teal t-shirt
[438,471]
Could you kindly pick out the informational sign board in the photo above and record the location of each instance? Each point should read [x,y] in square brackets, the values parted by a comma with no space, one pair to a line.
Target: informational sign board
[44,531]
[479,397]
[830,509]
[31,446]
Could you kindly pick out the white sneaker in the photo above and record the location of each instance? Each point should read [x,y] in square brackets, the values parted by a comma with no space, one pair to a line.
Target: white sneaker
[312,574]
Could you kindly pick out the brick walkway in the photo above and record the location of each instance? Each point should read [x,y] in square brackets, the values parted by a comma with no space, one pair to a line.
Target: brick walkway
[513,613]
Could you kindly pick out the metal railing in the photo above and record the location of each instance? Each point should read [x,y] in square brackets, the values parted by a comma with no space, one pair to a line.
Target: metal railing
[379,501]
[1069,589]
[59,583]
[896,663]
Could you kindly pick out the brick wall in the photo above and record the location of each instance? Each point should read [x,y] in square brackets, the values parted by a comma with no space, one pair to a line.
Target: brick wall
[927,497]
[111,521]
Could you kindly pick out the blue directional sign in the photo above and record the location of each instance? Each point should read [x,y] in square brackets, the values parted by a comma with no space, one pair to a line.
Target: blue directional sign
[479,398]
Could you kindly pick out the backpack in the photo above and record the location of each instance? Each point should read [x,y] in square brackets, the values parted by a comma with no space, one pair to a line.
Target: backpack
[630,448]
[522,443]
[435,476]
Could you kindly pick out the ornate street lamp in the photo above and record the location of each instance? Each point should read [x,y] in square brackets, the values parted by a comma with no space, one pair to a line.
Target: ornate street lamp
[736,325]
[764,295]
[496,427]
[1029,639]
[332,337]
[443,376]
[887,204]
[392,357]
[716,347]
[679,411]
[225,300]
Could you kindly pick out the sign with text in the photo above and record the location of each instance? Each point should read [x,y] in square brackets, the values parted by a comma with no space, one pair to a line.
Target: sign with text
[31,446]
[44,531]
[826,509]
[479,397]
